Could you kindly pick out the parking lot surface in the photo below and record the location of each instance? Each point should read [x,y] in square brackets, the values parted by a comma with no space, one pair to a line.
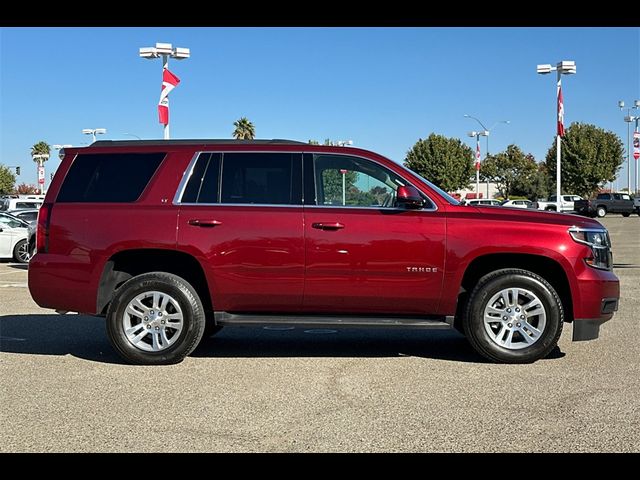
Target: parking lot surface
[64,389]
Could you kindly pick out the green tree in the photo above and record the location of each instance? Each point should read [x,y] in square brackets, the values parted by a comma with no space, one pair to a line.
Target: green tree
[511,170]
[447,162]
[314,142]
[590,156]
[7,180]
[245,130]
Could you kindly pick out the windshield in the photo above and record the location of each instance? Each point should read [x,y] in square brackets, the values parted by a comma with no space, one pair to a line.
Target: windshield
[444,194]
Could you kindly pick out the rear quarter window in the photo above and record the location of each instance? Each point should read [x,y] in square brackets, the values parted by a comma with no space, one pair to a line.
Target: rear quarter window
[109,177]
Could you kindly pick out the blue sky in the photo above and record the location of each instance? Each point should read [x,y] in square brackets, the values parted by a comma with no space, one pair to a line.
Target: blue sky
[381,87]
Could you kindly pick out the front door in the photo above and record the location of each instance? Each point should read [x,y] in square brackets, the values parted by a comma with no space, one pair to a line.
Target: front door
[241,216]
[365,254]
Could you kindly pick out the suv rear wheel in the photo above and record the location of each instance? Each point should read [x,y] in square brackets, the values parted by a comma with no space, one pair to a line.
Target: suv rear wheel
[155,319]
[513,316]
[601,211]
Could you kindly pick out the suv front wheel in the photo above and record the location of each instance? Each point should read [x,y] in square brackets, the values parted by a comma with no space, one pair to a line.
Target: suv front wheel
[513,316]
[155,319]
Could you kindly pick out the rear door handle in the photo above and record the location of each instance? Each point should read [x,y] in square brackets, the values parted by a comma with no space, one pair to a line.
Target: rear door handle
[328,226]
[204,223]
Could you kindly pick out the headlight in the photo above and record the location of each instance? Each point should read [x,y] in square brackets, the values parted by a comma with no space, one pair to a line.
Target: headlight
[600,244]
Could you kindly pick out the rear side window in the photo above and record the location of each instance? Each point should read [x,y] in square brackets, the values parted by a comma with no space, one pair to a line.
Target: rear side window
[260,178]
[603,196]
[109,177]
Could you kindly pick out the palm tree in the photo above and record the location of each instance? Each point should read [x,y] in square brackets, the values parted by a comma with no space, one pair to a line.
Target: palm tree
[40,148]
[245,130]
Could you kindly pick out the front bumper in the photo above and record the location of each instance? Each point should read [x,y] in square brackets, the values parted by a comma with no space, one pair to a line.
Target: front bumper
[589,328]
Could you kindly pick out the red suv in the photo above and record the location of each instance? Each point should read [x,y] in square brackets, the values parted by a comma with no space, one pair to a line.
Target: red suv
[172,240]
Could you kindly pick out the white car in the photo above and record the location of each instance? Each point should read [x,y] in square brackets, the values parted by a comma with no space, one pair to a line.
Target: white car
[14,238]
[517,203]
[9,203]
[482,202]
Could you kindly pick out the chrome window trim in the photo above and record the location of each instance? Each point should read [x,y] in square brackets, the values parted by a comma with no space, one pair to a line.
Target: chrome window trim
[354,207]
[185,178]
[177,199]
[270,205]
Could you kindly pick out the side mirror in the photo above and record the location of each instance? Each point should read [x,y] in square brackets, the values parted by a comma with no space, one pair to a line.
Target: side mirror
[410,197]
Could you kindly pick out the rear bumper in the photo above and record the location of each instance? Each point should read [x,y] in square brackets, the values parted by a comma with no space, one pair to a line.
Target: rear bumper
[62,282]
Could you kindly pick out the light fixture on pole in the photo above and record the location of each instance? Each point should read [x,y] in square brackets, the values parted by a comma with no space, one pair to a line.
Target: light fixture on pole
[169,81]
[484,133]
[94,131]
[566,67]
[488,132]
[636,141]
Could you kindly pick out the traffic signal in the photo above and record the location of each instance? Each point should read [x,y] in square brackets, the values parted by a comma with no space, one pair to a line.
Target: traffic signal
[17,170]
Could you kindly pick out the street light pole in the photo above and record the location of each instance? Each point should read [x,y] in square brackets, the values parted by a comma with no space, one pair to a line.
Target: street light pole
[484,133]
[165,50]
[487,132]
[565,67]
[628,119]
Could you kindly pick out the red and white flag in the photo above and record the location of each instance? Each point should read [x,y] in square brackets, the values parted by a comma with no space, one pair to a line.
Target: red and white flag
[477,156]
[560,113]
[169,82]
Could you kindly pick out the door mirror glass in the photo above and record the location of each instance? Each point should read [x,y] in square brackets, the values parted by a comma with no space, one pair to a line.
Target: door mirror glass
[409,196]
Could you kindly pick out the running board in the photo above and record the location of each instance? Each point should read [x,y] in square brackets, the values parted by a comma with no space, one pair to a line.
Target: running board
[237,319]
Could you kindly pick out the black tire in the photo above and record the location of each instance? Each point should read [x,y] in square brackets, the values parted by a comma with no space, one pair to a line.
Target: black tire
[193,318]
[550,209]
[21,252]
[626,214]
[491,284]
[601,211]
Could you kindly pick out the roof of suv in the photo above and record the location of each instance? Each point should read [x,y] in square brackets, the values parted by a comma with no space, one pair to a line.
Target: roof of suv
[138,143]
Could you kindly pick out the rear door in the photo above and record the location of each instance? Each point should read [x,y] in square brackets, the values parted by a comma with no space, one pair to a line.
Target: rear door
[241,216]
[364,254]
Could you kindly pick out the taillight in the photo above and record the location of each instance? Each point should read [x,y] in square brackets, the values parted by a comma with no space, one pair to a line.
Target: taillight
[42,232]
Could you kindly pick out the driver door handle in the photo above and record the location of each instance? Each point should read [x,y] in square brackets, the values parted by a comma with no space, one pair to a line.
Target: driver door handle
[204,223]
[328,226]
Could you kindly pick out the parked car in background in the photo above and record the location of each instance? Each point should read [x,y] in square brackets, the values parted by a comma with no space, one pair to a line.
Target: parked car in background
[606,203]
[14,238]
[636,204]
[517,203]
[29,215]
[551,205]
[12,203]
[482,201]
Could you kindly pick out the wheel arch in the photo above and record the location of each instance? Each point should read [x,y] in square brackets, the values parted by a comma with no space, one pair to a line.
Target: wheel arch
[126,264]
[546,267]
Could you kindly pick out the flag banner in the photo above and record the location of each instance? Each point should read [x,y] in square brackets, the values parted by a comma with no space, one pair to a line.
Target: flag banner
[560,113]
[169,82]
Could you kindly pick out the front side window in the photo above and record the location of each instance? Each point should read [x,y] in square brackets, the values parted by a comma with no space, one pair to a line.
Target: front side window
[348,181]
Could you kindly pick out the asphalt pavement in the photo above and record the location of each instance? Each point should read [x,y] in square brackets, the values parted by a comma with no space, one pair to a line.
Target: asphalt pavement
[63,388]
